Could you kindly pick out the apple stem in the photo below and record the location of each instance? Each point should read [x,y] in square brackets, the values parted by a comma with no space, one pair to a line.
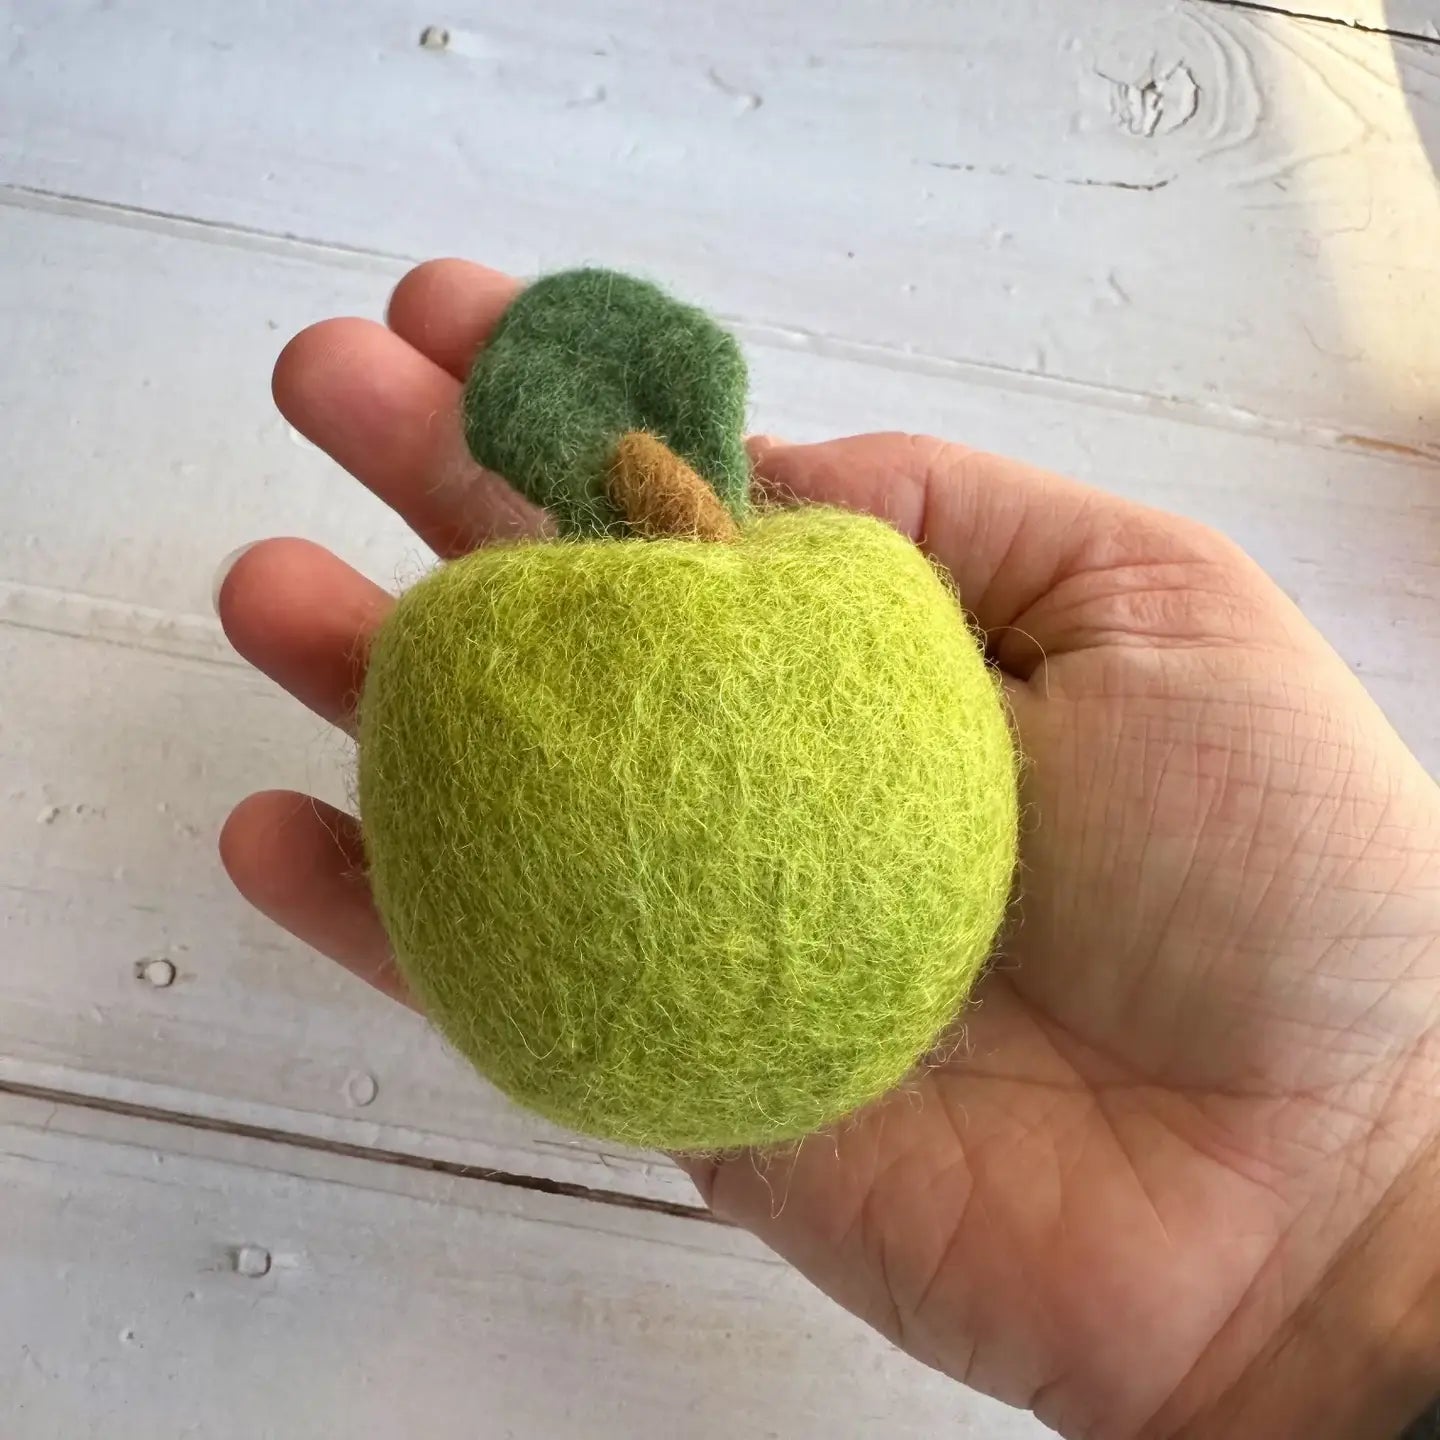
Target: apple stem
[661,496]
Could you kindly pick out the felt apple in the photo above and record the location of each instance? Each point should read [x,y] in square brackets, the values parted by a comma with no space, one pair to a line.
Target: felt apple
[693,827]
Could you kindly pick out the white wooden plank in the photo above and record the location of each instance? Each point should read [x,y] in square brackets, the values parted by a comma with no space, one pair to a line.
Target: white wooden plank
[164,1282]
[117,764]
[126,730]
[1223,207]
[138,371]
[1402,18]
[175,455]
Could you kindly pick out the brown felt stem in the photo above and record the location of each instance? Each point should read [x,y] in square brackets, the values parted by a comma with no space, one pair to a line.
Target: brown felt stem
[661,496]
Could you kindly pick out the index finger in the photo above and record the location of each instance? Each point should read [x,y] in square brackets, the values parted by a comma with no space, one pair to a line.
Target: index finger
[447,310]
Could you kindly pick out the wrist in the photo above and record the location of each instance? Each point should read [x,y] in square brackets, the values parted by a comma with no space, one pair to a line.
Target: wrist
[1360,1357]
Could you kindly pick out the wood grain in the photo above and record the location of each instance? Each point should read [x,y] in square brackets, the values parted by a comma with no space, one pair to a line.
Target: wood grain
[156,1281]
[1215,207]
[118,765]
[1403,19]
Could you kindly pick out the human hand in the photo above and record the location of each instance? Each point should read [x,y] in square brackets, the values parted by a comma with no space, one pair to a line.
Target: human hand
[1183,1158]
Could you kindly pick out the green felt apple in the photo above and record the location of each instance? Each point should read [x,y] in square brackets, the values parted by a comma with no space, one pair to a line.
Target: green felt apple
[694,828]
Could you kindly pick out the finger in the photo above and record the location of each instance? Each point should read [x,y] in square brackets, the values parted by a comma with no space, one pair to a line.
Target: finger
[303,617]
[391,417]
[1008,533]
[447,309]
[301,862]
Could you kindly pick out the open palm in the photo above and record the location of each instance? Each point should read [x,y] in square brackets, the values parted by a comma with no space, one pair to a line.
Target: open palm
[1204,1063]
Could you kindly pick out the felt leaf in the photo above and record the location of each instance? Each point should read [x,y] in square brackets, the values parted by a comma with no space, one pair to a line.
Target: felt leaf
[584,357]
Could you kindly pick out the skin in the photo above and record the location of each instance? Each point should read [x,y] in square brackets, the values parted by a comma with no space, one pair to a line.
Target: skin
[1179,1176]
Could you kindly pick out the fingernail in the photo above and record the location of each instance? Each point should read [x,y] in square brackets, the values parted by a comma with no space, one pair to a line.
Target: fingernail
[222,572]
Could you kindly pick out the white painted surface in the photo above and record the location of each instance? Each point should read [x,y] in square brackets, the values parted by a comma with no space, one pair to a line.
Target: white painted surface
[115,776]
[146,727]
[162,1282]
[175,332]
[1154,196]
[1246,338]
[1406,18]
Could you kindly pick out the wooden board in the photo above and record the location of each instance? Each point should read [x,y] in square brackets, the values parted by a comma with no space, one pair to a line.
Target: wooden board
[1404,19]
[175,327]
[118,762]
[128,727]
[1221,209]
[156,1281]
[1182,249]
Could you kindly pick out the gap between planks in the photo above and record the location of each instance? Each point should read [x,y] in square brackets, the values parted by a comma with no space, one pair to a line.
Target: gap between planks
[1414,36]
[1116,399]
[297,1140]
[121,623]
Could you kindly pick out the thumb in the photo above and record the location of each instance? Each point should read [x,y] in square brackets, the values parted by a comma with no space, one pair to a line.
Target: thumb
[1029,551]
